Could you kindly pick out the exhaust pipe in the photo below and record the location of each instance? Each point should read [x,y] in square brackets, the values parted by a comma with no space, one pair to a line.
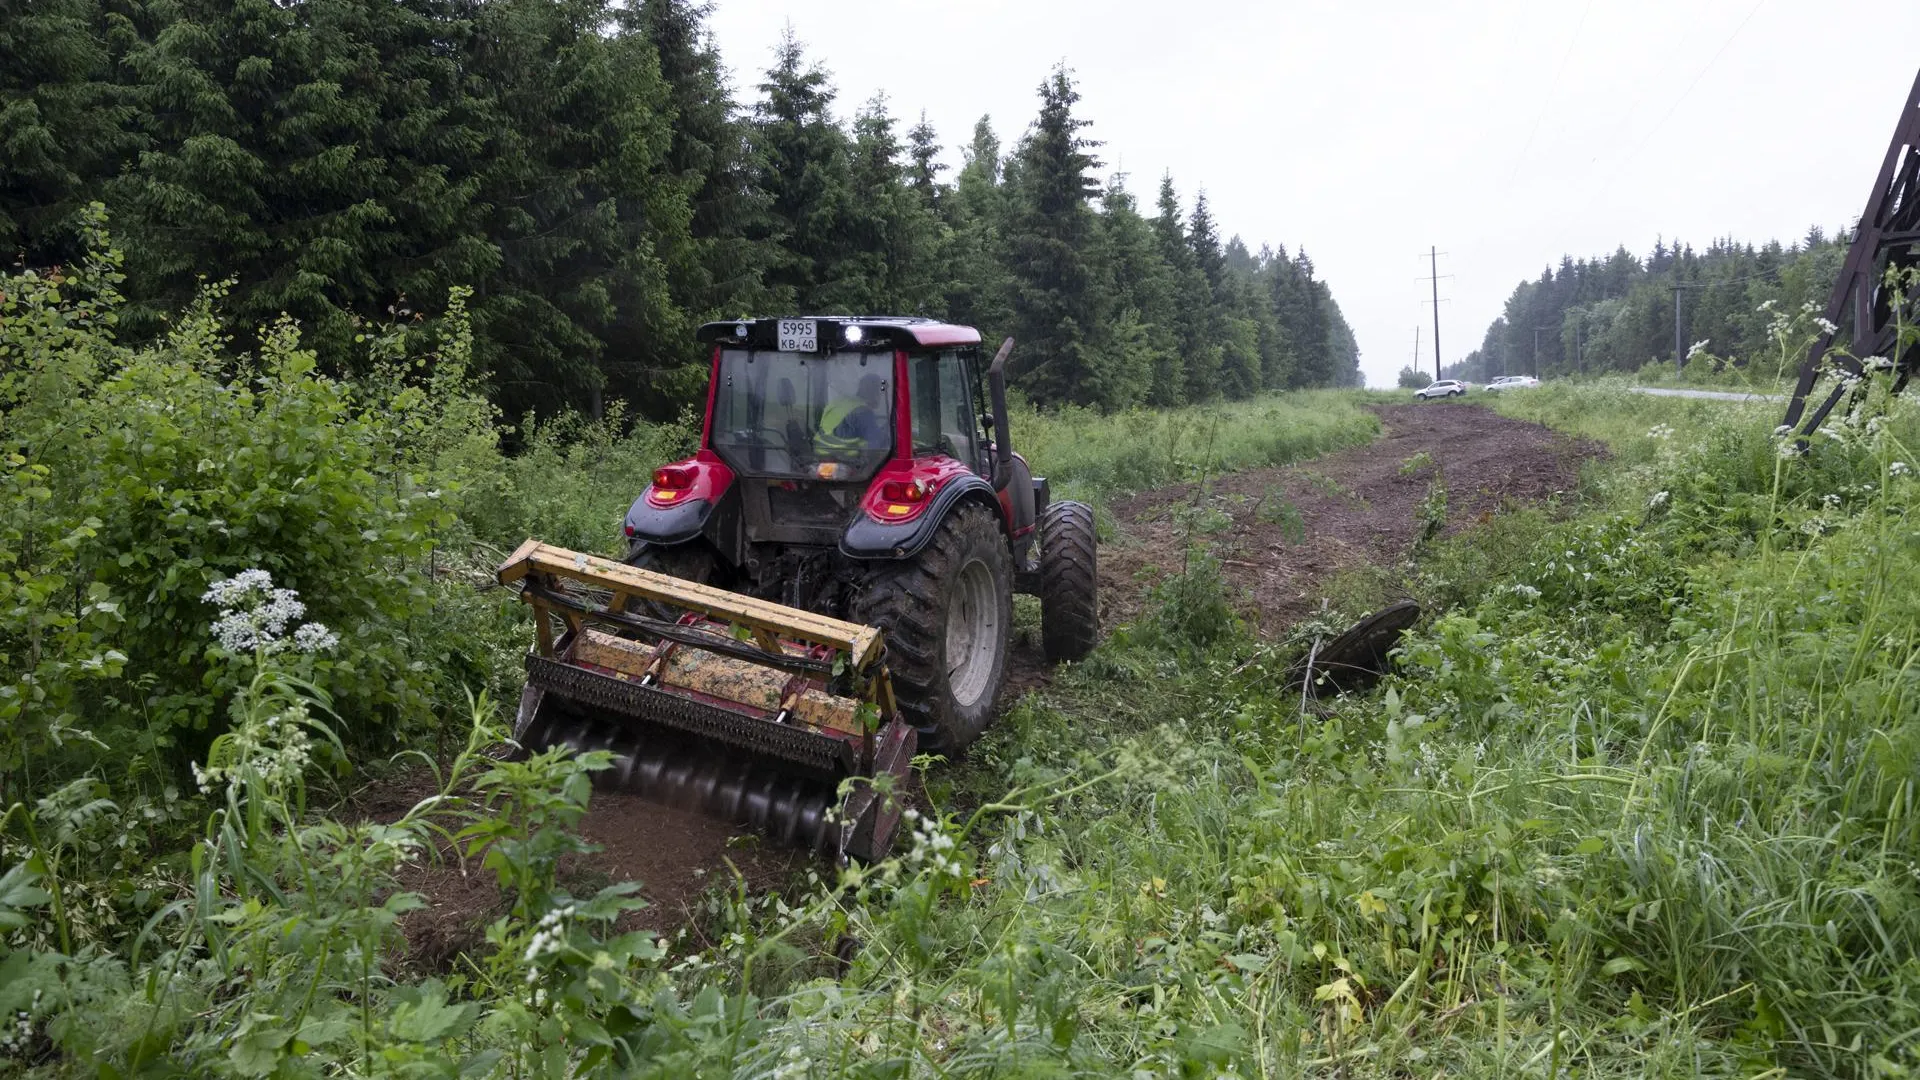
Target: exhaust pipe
[1002,439]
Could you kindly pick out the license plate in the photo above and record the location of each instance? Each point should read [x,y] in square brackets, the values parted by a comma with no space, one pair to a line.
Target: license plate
[799,335]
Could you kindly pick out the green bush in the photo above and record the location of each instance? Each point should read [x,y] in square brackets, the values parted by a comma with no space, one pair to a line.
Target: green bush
[136,477]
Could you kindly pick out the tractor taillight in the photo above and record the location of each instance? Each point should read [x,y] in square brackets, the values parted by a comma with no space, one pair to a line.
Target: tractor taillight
[671,483]
[673,478]
[899,500]
[902,491]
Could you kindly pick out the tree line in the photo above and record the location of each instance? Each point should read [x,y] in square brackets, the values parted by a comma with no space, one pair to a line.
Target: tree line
[585,168]
[1617,313]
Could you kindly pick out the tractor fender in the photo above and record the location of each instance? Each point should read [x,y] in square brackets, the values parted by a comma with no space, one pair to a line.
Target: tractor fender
[667,524]
[708,486]
[866,538]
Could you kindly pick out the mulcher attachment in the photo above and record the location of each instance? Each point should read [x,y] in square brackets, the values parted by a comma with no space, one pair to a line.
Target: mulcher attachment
[761,714]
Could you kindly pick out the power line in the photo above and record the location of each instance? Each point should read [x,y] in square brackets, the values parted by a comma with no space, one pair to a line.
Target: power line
[1671,109]
[1552,88]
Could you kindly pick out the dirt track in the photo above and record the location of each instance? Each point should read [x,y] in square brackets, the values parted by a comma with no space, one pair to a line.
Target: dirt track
[1282,533]
[1346,509]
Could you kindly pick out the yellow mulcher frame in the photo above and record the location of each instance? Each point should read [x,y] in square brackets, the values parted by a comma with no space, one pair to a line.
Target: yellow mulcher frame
[760,633]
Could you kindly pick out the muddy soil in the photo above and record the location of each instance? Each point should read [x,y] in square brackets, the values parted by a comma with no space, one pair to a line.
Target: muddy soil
[1282,533]
[675,856]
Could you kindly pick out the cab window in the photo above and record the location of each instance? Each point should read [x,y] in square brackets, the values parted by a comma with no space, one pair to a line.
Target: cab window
[943,407]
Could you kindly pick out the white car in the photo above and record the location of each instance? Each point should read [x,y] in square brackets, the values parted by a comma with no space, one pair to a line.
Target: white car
[1514,382]
[1444,388]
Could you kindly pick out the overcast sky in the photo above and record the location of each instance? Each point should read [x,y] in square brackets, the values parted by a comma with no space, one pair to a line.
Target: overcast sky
[1505,133]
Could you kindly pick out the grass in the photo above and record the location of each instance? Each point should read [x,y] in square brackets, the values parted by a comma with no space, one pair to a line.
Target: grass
[1089,455]
[1639,801]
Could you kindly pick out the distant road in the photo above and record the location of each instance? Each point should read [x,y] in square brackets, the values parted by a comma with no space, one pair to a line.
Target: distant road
[1715,395]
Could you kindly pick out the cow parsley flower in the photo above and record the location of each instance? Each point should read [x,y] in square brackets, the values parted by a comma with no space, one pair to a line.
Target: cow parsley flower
[255,617]
[314,637]
[1826,325]
[1899,468]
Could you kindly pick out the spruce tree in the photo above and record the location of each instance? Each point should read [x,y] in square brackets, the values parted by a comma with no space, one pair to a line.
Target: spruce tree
[1196,377]
[923,148]
[978,284]
[712,158]
[579,204]
[806,165]
[1056,305]
[1141,346]
[899,236]
[64,123]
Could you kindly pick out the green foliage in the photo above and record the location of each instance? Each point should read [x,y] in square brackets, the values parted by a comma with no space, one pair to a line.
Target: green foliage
[135,477]
[1192,608]
[1274,508]
[1089,454]
[585,170]
[1413,378]
[1616,314]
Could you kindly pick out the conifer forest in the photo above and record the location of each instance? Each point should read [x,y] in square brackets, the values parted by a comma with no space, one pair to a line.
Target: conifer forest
[587,170]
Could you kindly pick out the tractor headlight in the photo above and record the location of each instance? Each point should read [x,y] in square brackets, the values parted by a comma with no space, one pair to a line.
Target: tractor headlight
[854,334]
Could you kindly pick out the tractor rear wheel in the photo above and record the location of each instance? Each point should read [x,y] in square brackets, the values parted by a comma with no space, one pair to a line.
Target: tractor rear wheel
[946,614]
[1069,582]
[691,561]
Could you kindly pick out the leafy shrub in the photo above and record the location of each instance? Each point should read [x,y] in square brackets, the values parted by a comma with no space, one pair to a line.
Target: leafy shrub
[133,478]
[1193,607]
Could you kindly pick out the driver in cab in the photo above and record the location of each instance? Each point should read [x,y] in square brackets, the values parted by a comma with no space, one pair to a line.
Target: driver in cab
[850,425]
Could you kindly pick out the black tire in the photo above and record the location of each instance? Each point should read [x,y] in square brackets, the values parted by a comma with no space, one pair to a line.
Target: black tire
[1069,582]
[965,570]
[691,561]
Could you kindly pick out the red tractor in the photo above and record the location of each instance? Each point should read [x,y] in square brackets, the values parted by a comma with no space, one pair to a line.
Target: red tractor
[861,468]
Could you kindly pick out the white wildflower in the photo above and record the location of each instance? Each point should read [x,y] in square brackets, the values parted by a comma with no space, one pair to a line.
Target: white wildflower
[255,617]
[1660,431]
[1525,592]
[1767,306]
[1658,500]
[1899,468]
[314,637]
[1698,347]
[1826,325]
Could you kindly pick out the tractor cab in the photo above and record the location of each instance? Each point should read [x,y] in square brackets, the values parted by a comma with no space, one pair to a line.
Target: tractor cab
[839,412]
[847,433]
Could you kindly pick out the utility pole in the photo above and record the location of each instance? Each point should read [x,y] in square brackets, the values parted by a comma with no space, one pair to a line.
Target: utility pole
[1433,257]
[1536,348]
[1679,353]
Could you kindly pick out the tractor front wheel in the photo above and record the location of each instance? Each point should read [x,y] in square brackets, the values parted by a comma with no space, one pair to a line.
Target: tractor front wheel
[1069,582]
[946,613]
